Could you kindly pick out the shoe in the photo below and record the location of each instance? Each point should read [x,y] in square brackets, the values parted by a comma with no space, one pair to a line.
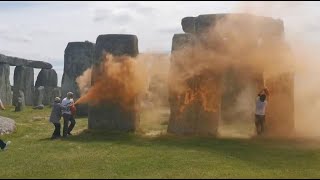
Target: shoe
[7,144]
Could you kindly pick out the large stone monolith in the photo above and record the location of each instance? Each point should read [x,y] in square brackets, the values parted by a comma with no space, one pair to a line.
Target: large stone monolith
[39,95]
[47,78]
[24,81]
[280,110]
[20,102]
[110,116]
[78,57]
[196,108]
[5,87]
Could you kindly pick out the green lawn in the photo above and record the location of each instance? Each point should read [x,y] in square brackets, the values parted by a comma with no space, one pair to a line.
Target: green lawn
[120,155]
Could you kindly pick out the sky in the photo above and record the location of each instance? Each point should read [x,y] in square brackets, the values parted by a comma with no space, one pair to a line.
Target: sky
[42,30]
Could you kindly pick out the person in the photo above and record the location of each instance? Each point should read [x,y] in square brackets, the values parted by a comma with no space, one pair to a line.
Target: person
[261,104]
[3,145]
[67,103]
[55,117]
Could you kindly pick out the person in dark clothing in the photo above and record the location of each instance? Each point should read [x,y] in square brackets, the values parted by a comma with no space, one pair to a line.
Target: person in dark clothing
[55,117]
[4,145]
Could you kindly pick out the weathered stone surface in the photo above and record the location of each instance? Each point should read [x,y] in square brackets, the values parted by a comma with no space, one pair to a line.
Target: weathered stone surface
[47,77]
[56,93]
[5,87]
[78,57]
[181,41]
[39,64]
[264,26]
[241,87]
[201,113]
[24,81]
[41,106]
[188,25]
[280,111]
[198,115]
[20,103]
[112,116]
[15,61]
[39,95]
[116,44]
[204,22]
[7,125]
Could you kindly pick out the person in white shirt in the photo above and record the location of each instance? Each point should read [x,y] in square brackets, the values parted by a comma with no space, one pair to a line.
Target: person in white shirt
[67,115]
[261,104]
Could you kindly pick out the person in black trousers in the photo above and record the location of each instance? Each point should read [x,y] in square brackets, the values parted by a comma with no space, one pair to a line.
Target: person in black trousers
[55,117]
[4,145]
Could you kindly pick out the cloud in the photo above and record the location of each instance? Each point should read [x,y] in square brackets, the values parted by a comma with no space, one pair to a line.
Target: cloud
[139,8]
[111,15]
[16,38]
[171,30]
[42,30]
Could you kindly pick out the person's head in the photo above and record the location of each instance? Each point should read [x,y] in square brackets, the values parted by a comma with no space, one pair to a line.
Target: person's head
[263,97]
[69,95]
[57,100]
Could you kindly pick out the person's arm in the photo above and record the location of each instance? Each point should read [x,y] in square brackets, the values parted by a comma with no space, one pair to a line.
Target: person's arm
[62,107]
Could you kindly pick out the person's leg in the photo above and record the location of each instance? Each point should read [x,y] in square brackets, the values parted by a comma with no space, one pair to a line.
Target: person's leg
[57,128]
[73,123]
[2,144]
[54,131]
[262,124]
[65,125]
[257,123]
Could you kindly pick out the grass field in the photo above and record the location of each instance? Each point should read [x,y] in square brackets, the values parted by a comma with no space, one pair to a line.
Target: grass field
[91,154]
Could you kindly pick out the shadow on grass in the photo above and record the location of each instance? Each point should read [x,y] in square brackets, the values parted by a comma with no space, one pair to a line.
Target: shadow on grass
[259,151]
[47,139]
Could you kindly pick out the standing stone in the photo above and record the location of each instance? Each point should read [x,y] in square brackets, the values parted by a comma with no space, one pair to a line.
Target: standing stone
[48,79]
[110,116]
[241,86]
[20,103]
[23,80]
[204,22]
[195,110]
[188,25]
[5,87]
[280,110]
[56,93]
[39,95]
[78,57]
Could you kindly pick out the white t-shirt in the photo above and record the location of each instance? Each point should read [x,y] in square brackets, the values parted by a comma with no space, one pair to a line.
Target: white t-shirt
[65,103]
[261,107]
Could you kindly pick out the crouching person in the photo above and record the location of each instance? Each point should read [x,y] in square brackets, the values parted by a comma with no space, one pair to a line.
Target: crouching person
[55,117]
